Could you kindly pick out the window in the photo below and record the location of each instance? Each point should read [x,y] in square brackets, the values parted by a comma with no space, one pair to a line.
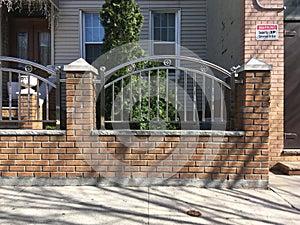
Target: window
[45,48]
[93,34]
[22,49]
[165,32]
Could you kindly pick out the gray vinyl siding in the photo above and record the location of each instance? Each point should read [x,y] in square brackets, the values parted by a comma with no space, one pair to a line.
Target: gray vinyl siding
[193,25]
[67,32]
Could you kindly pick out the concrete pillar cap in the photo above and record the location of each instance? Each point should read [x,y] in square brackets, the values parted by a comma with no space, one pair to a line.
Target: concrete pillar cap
[80,65]
[255,65]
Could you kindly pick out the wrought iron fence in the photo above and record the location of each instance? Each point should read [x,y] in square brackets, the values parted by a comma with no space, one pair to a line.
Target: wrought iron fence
[29,92]
[165,92]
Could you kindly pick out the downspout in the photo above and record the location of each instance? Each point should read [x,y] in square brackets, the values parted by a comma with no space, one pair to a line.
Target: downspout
[269,8]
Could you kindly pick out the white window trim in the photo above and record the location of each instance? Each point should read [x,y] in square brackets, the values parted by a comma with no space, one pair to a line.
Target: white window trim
[82,31]
[177,28]
[82,52]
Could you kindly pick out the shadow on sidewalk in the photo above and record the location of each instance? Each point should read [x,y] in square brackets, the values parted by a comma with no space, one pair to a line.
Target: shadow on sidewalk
[156,205]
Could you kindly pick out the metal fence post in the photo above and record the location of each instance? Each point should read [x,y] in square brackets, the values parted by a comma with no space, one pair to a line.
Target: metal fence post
[102,97]
[58,97]
[234,75]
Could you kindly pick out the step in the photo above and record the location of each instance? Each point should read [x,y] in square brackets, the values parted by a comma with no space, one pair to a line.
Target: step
[289,168]
[290,152]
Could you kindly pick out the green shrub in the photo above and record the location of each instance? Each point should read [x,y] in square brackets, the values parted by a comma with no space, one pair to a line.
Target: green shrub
[122,21]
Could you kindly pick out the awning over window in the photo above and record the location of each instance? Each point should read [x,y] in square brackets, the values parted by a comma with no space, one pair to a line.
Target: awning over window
[55,3]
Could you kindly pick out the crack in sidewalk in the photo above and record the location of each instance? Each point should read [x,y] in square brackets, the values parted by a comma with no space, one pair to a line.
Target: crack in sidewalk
[287,201]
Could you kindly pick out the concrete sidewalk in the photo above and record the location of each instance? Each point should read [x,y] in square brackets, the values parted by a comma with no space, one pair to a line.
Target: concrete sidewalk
[287,187]
[156,205]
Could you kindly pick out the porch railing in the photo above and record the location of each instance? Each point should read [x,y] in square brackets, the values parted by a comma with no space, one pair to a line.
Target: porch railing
[29,93]
[165,92]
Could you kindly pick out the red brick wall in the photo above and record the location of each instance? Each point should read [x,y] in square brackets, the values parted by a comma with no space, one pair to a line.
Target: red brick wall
[272,52]
[230,159]
[52,156]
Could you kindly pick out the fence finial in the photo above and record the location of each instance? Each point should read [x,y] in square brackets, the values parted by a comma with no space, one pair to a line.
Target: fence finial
[102,69]
[234,70]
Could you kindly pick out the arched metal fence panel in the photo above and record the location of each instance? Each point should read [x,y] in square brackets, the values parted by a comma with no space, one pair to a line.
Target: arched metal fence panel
[28,93]
[167,93]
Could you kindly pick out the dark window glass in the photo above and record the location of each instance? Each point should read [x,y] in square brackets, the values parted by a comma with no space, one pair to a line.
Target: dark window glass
[164,27]
[93,51]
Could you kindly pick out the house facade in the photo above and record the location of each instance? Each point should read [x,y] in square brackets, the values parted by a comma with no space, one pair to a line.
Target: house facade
[258,35]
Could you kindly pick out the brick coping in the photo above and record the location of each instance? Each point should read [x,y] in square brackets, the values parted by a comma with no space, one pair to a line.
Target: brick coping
[204,133]
[18,132]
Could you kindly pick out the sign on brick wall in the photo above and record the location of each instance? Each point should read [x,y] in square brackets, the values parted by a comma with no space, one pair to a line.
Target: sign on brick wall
[267,32]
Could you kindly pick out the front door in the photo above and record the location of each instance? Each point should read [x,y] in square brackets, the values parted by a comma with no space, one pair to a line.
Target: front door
[292,85]
[30,39]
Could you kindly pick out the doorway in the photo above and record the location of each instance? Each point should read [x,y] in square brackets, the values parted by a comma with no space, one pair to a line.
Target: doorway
[292,85]
[30,39]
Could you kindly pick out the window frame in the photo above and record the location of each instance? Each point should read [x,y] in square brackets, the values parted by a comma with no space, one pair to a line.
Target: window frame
[177,41]
[83,42]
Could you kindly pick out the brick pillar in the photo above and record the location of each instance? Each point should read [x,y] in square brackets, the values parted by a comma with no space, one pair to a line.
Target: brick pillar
[255,94]
[271,52]
[80,99]
[29,111]
[255,117]
[81,116]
